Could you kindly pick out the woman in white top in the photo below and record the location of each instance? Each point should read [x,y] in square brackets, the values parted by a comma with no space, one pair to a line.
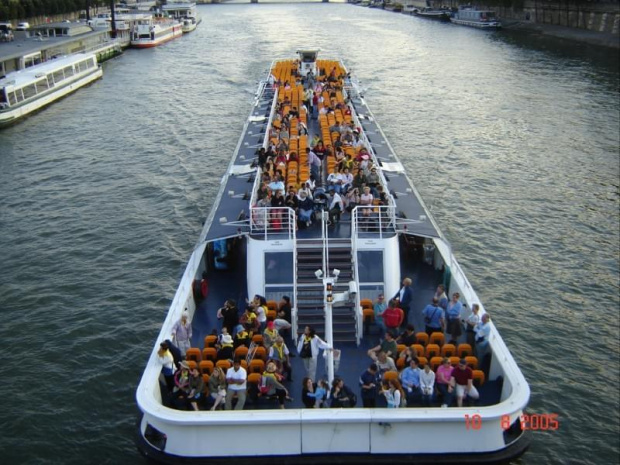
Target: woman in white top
[427,384]
[393,393]
[164,357]
[470,323]
[366,200]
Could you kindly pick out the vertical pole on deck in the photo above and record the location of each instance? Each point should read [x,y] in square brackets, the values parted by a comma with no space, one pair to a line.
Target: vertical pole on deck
[328,283]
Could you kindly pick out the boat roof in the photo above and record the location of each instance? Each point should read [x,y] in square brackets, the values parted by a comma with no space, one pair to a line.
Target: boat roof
[24,76]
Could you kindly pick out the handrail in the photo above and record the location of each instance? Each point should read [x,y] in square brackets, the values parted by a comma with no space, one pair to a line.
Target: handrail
[381,220]
[273,222]
[359,316]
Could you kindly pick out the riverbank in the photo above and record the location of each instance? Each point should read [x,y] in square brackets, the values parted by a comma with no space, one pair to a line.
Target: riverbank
[585,36]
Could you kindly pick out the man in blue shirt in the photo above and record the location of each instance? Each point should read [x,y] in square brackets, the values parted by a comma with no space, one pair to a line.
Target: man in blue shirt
[410,380]
[379,307]
[433,317]
[368,384]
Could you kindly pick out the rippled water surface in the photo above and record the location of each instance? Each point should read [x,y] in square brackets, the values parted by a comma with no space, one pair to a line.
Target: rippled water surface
[513,141]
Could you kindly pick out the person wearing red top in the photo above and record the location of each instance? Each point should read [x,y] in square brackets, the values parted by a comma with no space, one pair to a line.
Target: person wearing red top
[462,381]
[393,316]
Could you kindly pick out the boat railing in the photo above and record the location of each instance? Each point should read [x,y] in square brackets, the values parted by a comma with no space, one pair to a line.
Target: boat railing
[374,221]
[273,222]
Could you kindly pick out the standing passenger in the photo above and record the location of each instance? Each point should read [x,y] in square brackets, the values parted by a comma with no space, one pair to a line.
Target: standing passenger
[308,348]
[182,333]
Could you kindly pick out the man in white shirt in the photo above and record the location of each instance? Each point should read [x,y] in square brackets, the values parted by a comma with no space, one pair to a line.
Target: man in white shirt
[335,208]
[483,331]
[236,378]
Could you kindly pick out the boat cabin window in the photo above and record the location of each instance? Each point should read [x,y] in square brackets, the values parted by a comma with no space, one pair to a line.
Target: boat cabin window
[308,56]
[32,59]
[58,76]
[13,98]
[68,71]
[42,85]
[370,266]
[278,267]
[29,91]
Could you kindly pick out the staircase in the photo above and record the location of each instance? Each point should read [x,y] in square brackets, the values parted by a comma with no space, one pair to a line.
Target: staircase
[310,292]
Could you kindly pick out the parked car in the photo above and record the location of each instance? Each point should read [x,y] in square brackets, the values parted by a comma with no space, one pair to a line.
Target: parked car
[6,32]
[22,27]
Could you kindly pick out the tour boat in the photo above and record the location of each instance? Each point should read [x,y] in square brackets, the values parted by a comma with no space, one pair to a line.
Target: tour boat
[185,12]
[151,32]
[332,268]
[27,90]
[432,13]
[471,16]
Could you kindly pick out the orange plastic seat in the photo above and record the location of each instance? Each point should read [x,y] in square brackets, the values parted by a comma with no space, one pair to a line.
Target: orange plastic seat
[435,362]
[437,338]
[209,353]
[206,367]
[254,378]
[192,364]
[464,350]
[422,361]
[272,305]
[205,380]
[366,303]
[258,339]
[271,315]
[448,350]
[194,354]
[369,315]
[210,340]
[400,363]
[257,366]
[223,364]
[261,353]
[400,348]
[454,361]
[421,338]
[433,350]
[241,352]
[472,362]
[388,375]
[419,350]
[478,378]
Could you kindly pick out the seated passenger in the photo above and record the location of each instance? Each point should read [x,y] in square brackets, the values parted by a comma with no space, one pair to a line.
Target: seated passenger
[341,395]
[427,384]
[366,201]
[269,335]
[306,208]
[385,363]
[407,337]
[442,381]
[394,394]
[410,381]
[242,338]
[236,378]
[461,382]
[196,386]
[388,345]
[226,349]
[249,320]
[308,387]
[320,394]
[217,387]
[279,353]
[271,386]
[336,207]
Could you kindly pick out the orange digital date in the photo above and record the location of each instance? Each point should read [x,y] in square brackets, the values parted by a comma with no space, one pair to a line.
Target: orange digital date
[535,422]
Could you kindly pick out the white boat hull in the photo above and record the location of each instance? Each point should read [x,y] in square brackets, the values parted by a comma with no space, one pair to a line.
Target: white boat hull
[478,24]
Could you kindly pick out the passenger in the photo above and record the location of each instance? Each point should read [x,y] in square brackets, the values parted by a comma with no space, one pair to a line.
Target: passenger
[405,296]
[345,180]
[461,382]
[433,317]
[242,338]
[182,333]
[291,200]
[483,332]
[442,381]
[366,200]
[260,308]
[341,395]
[226,349]
[277,203]
[336,207]
[379,307]
[306,208]
[196,386]
[308,348]
[368,385]
[373,180]
[388,345]
[471,323]
[217,387]
[407,337]
[305,188]
[269,335]
[393,317]
[249,320]
[314,163]
[307,387]
[333,183]
[442,298]
[393,393]
[283,316]
[352,199]
[407,355]
[427,383]
[270,386]
[165,359]
[359,179]
[229,315]
[385,363]
[320,394]
[181,386]
[177,356]
[453,317]
[410,380]
[236,379]
[279,352]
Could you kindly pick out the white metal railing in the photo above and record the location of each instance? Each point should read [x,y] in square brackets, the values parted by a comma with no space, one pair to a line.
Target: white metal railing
[380,220]
[359,315]
[273,222]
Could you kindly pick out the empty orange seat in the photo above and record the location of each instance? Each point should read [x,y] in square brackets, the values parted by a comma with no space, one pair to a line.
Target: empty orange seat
[194,354]
[271,315]
[464,350]
[272,305]
[366,303]
[433,350]
[369,315]
[422,361]
[254,378]
[210,340]
[209,353]
[454,361]
[400,348]
[421,338]
[205,380]
[261,353]
[400,363]
[419,350]
[241,352]
[478,378]
[257,366]
[388,375]
[258,339]
[437,338]
[472,362]
[223,364]
[192,364]
[448,350]
[435,362]
[206,367]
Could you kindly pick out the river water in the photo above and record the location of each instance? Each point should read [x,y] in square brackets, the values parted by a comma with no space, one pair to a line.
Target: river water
[511,139]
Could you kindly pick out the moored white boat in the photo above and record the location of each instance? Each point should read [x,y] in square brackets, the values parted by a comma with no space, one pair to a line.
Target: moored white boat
[471,16]
[185,12]
[25,91]
[151,32]
[330,269]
